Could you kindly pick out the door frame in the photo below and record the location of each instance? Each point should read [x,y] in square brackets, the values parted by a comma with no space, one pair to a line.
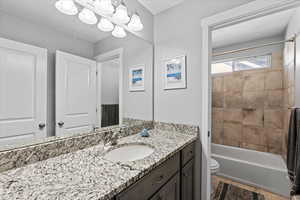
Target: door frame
[233,16]
[110,55]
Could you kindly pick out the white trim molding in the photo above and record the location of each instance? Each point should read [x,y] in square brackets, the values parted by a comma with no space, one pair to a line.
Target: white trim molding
[233,16]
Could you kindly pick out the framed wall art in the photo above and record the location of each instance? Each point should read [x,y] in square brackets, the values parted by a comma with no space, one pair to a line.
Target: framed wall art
[175,73]
[137,78]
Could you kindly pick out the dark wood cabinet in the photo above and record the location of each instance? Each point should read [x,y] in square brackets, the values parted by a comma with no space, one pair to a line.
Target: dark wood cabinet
[187,154]
[172,180]
[152,182]
[187,181]
[170,191]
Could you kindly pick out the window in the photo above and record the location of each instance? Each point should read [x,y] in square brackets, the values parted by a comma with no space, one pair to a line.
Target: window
[222,67]
[250,63]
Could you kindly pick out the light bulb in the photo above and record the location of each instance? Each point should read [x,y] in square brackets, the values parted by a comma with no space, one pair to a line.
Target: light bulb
[104,6]
[119,32]
[87,16]
[105,25]
[135,23]
[67,7]
[121,15]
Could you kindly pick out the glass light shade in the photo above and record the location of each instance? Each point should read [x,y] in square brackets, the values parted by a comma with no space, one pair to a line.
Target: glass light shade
[104,6]
[105,25]
[119,32]
[67,7]
[87,16]
[135,23]
[121,15]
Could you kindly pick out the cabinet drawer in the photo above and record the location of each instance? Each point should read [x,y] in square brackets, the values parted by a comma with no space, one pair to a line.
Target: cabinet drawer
[148,185]
[187,153]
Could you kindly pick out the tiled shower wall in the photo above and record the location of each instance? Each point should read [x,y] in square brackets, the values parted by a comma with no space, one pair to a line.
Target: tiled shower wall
[248,108]
[289,89]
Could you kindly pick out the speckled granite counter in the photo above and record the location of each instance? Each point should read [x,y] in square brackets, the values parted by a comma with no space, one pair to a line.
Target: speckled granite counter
[85,174]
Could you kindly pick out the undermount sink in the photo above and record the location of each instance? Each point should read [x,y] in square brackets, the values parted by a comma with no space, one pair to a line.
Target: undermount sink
[129,152]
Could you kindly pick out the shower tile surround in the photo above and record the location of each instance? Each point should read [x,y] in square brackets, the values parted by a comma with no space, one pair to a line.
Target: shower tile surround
[86,174]
[249,108]
[289,89]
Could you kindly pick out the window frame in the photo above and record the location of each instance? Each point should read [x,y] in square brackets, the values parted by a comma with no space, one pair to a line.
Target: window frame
[235,60]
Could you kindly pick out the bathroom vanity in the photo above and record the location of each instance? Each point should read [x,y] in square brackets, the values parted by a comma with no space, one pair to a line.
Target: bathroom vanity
[166,174]
[172,180]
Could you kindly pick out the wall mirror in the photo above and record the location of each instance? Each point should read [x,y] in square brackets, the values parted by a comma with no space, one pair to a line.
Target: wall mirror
[64,72]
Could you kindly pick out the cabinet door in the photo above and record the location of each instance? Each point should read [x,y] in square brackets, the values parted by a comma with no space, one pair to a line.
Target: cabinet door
[187,178]
[170,191]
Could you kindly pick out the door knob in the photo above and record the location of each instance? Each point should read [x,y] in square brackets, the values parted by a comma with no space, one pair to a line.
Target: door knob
[61,123]
[42,125]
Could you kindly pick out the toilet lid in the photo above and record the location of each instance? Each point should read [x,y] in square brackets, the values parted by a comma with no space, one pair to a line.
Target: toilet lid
[214,164]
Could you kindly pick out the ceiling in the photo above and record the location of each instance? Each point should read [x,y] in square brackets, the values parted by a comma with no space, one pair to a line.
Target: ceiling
[157,6]
[43,12]
[263,27]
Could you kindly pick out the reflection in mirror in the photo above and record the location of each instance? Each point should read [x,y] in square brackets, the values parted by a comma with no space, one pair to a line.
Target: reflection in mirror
[61,77]
[109,92]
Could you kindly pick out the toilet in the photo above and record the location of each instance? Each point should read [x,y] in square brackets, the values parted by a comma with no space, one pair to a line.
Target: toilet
[214,166]
[214,169]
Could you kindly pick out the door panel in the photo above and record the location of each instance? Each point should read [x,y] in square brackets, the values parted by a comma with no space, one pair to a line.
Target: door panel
[23,90]
[187,181]
[170,191]
[75,94]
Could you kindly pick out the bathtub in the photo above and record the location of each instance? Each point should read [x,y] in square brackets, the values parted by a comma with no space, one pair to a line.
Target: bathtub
[263,170]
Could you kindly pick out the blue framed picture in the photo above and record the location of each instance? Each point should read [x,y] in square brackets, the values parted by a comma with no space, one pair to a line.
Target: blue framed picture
[175,73]
[137,78]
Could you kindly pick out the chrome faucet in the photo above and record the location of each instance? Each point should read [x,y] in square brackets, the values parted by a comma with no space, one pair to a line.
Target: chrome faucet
[111,140]
[114,139]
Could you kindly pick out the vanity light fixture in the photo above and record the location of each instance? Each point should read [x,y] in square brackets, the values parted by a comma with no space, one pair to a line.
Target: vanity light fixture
[67,7]
[121,14]
[115,20]
[87,16]
[104,6]
[135,23]
[119,32]
[105,25]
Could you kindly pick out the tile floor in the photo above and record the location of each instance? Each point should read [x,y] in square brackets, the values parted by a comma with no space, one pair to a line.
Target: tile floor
[268,195]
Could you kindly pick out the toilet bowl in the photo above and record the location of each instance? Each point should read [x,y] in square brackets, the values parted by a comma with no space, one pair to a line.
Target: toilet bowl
[214,169]
[214,166]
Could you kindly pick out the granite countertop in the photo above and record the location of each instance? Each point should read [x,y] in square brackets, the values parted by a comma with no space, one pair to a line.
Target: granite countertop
[85,174]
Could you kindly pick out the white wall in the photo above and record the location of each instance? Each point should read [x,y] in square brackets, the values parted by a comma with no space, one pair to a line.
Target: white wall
[252,52]
[137,105]
[14,28]
[110,82]
[177,31]
[292,29]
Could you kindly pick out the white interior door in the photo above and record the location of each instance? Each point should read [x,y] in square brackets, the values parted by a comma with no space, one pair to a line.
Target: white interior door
[75,94]
[23,90]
